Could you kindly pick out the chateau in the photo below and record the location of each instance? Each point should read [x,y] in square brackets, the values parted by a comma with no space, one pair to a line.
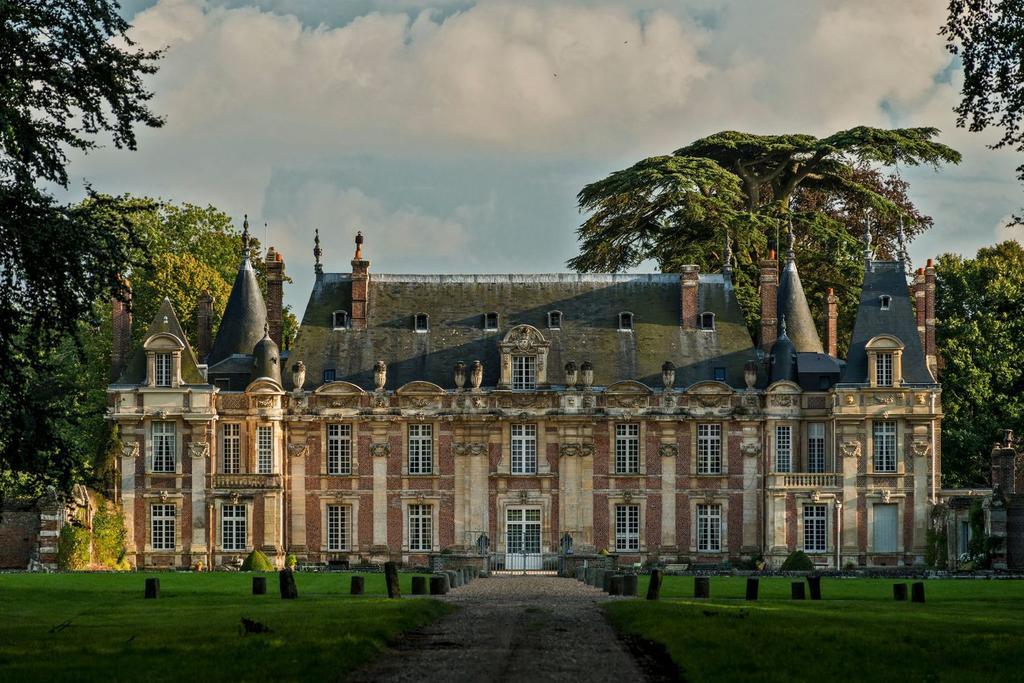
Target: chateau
[633,414]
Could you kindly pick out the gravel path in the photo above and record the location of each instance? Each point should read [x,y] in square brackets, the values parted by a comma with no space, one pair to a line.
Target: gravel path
[520,628]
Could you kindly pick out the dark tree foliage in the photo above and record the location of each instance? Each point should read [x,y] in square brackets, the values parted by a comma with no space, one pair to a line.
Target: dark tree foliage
[988,36]
[681,208]
[68,74]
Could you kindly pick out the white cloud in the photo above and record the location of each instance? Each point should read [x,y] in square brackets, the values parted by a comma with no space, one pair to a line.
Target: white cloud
[1005,231]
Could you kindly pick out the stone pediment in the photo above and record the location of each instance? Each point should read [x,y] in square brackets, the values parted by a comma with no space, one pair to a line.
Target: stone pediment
[339,389]
[419,388]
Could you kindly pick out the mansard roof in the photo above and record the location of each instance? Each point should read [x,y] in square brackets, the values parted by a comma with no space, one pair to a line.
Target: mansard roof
[886,278]
[590,305]
[164,322]
[245,317]
[792,303]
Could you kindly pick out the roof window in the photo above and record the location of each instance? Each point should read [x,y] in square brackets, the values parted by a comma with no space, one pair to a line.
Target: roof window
[707,321]
[421,322]
[885,301]
[555,320]
[339,320]
[491,321]
[625,322]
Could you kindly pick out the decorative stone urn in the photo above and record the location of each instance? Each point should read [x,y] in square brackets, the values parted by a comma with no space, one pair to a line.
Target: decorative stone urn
[668,374]
[380,374]
[460,375]
[571,375]
[298,375]
[587,374]
[476,374]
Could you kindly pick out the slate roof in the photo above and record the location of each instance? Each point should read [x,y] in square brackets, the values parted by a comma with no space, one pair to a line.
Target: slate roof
[165,321]
[792,303]
[244,319]
[886,277]
[589,303]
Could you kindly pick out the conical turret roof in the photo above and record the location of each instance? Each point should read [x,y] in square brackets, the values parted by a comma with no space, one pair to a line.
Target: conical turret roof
[792,305]
[245,315]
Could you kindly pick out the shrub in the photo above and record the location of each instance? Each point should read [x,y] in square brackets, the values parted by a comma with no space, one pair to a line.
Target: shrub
[257,562]
[797,562]
[73,548]
[108,536]
[291,561]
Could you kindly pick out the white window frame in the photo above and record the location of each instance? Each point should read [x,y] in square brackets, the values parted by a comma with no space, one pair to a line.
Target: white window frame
[421,449]
[815,521]
[165,446]
[339,449]
[339,527]
[883,445]
[783,448]
[524,372]
[425,327]
[707,316]
[234,527]
[421,527]
[885,362]
[163,518]
[816,447]
[627,527]
[709,448]
[709,527]
[554,320]
[231,448]
[265,449]
[627,448]
[163,369]
[523,448]
[489,325]
[627,322]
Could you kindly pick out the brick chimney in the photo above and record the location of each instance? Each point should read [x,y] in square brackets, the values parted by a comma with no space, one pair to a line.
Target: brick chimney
[769,291]
[917,291]
[832,323]
[360,286]
[204,326]
[121,330]
[930,352]
[275,295]
[689,281]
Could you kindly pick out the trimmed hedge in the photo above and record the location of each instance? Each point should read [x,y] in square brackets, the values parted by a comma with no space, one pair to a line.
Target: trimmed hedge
[797,562]
[257,562]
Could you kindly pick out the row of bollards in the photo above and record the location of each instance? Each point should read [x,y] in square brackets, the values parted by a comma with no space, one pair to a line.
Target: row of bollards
[444,581]
[610,581]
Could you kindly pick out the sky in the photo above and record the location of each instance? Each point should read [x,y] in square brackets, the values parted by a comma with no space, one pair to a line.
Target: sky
[455,135]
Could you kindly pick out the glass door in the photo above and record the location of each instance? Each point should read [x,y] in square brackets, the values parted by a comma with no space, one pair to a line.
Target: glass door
[522,539]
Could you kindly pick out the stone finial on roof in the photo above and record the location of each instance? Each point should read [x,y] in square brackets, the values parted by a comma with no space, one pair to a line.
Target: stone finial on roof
[791,252]
[318,267]
[245,237]
[901,246]
[868,254]
[359,246]
[782,326]
[727,258]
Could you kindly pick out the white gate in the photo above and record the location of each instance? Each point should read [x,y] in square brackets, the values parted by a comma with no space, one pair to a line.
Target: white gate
[522,539]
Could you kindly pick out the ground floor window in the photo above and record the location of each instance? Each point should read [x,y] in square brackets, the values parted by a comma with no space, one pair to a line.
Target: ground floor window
[886,528]
[815,524]
[627,527]
[338,527]
[709,528]
[421,531]
[162,520]
[233,529]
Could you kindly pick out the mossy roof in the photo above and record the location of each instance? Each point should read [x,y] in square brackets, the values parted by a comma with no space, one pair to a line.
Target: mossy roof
[165,322]
[590,305]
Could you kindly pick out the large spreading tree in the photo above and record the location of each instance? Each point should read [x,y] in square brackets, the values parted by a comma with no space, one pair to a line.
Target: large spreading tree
[743,188]
[70,79]
[988,37]
[980,335]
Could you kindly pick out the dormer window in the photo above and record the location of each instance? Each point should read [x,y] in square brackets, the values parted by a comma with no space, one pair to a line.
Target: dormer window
[524,372]
[421,322]
[329,375]
[885,301]
[707,321]
[719,374]
[885,361]
[883,369]
[162,369]
[491,321]
[555,320]
[339,320]
[625,322]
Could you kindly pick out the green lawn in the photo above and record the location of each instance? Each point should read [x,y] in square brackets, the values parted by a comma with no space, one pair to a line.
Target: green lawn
[966,631]
[85,627]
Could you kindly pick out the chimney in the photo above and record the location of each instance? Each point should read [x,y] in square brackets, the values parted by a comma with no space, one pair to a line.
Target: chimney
[769,291]
[360,286]
[121,330]
[917,290]
[204,326]
[275,295]
[930,353]
[689,281]
[832,324]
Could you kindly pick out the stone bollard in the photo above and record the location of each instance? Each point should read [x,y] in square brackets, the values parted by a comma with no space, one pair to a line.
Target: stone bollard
[439,584]
[391,579]
[419,585]
[358,585]
[629,584]
[599,579]
[752,586]
[797,590]
[453,579]
[588,575]
[701,587]
[286,583]
[606,581]
[466,576]
[152,589]
[899,592]
[917,592]
[615,584]
[814,584]
[654,587]
[259,585]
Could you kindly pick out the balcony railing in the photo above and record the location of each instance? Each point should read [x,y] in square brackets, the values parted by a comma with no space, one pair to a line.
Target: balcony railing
[807,480]
[246,481]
